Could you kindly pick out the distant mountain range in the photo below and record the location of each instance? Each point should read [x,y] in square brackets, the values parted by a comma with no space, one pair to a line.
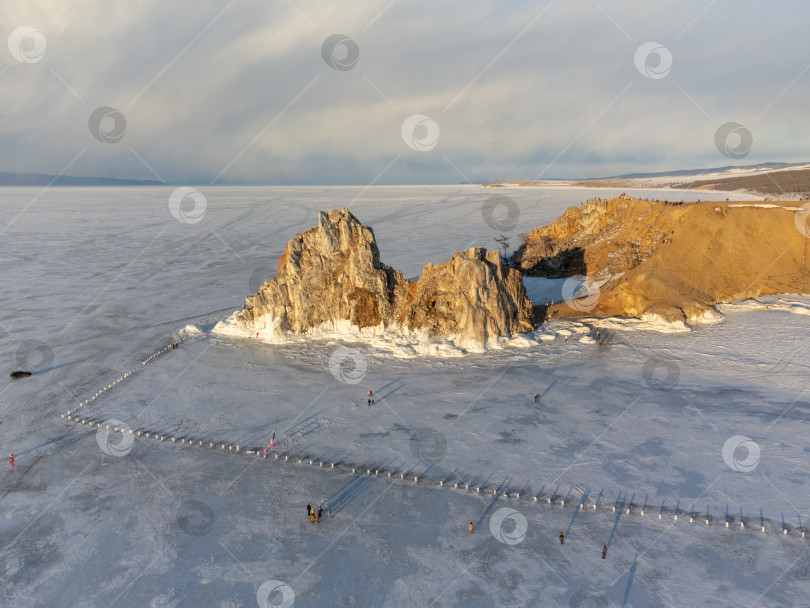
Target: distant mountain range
[687,172]
[783,180]
[41,179]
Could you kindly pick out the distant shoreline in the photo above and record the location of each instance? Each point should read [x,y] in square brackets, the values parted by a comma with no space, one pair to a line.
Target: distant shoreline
[780,182]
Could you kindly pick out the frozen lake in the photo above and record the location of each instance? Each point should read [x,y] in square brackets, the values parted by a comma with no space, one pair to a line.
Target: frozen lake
[98,279]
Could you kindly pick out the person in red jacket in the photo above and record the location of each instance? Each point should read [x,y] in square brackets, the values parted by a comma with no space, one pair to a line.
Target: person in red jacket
[11,459]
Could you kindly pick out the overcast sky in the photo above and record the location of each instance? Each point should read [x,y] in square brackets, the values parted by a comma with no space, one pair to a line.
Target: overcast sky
[242,91]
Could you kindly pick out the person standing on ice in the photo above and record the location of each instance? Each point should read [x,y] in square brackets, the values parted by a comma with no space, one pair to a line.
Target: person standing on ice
[312,517]
[320,512]
[309,508]
[369,392]
[470,527]
[562,538]
[274,434]
[536,397]
[11,459]
[604,551]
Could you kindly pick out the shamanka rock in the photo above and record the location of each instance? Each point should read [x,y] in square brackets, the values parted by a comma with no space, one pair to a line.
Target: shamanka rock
[332,273]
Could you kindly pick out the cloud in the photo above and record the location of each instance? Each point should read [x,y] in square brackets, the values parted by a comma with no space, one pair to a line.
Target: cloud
[241,93]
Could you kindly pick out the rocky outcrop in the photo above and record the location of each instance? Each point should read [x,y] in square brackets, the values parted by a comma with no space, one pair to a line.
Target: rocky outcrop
[332,273]
[472,296]
[601,238]
[328,274]
[675,261]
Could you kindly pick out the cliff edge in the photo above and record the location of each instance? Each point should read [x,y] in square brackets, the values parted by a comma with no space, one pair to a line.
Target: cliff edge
[674,260]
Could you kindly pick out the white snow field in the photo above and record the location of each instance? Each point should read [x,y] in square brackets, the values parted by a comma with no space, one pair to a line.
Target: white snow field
[628,440]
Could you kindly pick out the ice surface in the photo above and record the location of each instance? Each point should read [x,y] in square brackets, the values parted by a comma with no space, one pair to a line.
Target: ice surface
[542,290]
[102,278]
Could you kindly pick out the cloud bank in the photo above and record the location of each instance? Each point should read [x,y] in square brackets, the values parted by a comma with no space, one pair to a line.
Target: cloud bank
[312,92]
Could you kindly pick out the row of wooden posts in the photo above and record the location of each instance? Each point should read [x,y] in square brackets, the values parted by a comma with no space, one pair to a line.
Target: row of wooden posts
[582,503]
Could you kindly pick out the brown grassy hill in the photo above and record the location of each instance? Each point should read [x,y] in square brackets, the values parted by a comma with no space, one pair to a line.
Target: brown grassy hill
[677,261]
[774,183]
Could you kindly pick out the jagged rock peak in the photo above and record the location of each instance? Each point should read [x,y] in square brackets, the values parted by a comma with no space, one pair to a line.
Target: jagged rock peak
[327,274]
[333,273]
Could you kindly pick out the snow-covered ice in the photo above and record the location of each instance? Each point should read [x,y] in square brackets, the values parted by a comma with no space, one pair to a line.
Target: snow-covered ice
[97,280]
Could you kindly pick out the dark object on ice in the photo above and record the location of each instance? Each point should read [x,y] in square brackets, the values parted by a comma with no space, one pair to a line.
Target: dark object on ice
[19,374]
